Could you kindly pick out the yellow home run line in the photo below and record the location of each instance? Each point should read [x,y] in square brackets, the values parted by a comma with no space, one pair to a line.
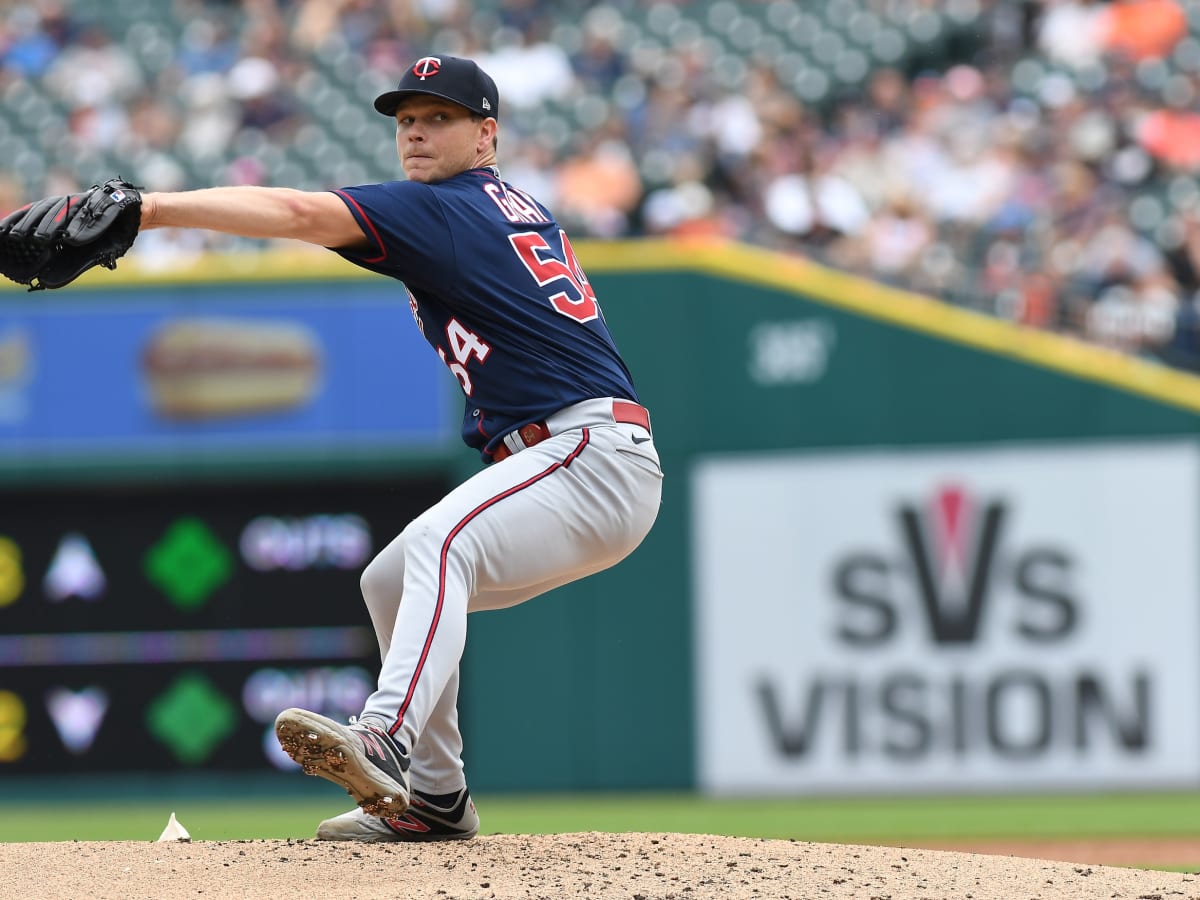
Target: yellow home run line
[749,265]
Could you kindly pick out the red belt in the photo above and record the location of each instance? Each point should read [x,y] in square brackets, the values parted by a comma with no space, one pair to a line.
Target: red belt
[624,412]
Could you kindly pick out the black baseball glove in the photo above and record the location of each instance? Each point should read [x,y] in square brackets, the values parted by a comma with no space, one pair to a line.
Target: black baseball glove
[50,243]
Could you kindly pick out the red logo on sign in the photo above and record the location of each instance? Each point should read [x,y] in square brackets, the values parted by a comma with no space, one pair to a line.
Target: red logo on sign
[427,66]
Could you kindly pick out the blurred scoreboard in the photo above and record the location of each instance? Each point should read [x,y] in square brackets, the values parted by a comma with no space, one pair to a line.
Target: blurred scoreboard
[148,628]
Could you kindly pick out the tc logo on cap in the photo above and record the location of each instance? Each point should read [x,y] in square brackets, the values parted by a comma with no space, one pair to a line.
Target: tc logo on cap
[426,66]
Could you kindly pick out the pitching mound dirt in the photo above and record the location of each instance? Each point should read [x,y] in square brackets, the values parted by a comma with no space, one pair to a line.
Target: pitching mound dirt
[558,867]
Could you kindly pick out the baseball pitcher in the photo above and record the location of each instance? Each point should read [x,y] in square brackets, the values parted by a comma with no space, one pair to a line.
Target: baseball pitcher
[572,482]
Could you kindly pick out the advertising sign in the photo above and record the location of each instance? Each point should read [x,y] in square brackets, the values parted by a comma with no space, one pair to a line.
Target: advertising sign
[301,367]
[180,620]
[962,619]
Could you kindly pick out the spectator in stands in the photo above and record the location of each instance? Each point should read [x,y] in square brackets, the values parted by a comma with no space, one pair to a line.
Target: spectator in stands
[599,63]
[599,187]
[30,42]
[207,45]
[896,236]
[94,71]
[814,205]
[1141,29]
[528,72]
[1070,31]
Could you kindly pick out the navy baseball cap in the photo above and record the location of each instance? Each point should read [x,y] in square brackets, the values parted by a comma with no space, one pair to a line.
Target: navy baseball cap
[448,77]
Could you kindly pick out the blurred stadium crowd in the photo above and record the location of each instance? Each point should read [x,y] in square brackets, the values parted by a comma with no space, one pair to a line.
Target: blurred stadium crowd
[1034,159]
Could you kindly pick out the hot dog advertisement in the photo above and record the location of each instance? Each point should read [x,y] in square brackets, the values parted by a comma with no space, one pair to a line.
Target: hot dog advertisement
[212,367]
[170,375]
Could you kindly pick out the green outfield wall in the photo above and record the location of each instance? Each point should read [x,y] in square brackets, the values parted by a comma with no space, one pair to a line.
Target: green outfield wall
[736,351]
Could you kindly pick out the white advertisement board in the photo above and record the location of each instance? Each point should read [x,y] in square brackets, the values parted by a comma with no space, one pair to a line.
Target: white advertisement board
[987,619]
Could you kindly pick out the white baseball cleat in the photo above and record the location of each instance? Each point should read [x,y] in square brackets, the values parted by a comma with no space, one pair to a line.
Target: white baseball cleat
[361,757]
[426,819]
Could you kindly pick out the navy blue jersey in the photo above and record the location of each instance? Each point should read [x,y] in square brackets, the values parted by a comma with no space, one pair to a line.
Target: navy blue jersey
[496,289]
